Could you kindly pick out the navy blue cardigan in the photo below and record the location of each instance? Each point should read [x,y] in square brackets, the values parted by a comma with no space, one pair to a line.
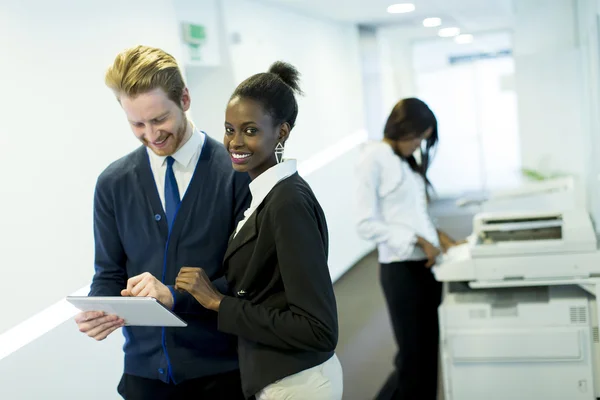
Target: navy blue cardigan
[132,237]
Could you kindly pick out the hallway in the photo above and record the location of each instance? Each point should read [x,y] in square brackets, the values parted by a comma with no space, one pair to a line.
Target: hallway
[366,345]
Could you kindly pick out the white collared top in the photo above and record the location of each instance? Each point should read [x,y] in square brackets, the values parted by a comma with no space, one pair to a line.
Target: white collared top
[262,185]
[392,207]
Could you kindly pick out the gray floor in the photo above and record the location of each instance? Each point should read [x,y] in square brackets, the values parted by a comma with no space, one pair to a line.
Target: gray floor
[366,345]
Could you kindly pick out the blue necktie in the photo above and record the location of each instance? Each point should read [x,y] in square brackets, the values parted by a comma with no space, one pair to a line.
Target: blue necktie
[172,198]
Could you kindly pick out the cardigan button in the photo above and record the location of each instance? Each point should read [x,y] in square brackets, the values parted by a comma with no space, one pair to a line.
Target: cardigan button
[241,293]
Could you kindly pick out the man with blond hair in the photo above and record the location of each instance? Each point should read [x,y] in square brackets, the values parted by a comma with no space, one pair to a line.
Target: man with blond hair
[173,202]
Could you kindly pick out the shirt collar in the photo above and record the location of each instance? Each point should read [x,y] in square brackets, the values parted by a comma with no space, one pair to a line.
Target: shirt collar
[185,154]
[262,184]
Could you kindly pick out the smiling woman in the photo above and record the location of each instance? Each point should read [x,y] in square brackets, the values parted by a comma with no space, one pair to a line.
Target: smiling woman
[260,115]
[284,311]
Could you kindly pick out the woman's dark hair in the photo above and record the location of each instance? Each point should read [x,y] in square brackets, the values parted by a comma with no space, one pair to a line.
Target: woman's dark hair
[275,91]
[408,120]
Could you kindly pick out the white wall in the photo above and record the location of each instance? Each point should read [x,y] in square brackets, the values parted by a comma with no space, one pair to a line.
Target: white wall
[66,366]
[61,127]
[552,75]
[476,108]
[77,128]
[549,82]
[325,53]
[476,112]
[588,17]
[373,82]
[397,55]
[206,14]
[211,86]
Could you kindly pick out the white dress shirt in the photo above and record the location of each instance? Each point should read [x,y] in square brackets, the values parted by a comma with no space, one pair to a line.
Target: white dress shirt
[186,159]
[262,185]
[392,205]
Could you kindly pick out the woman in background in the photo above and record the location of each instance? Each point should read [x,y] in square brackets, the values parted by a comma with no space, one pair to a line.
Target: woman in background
[393,212]
[284,310]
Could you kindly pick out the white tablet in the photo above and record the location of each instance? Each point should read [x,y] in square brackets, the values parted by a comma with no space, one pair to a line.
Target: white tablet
[136,311]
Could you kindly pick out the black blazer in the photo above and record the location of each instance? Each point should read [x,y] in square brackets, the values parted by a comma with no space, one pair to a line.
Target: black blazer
[284,311]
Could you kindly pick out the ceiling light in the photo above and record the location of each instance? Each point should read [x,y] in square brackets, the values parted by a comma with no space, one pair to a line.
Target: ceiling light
[449,32]
[432,22]
[401,8]
[464,38]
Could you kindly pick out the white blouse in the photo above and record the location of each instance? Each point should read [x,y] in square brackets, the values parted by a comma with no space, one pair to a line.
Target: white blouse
[262,185]
[392,205]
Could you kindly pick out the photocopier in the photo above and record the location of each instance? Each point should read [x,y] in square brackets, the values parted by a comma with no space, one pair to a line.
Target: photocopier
[519,318]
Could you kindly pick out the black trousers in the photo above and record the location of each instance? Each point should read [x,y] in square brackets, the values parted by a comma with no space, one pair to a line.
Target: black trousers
[218,387]
[413,296]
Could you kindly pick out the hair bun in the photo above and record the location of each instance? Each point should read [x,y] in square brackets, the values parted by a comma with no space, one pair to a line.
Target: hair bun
[287,73]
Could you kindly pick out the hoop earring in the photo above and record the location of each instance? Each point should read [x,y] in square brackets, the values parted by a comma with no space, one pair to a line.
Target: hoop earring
[279,152]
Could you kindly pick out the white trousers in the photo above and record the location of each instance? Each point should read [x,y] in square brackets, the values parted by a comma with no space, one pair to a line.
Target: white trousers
[323,382]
